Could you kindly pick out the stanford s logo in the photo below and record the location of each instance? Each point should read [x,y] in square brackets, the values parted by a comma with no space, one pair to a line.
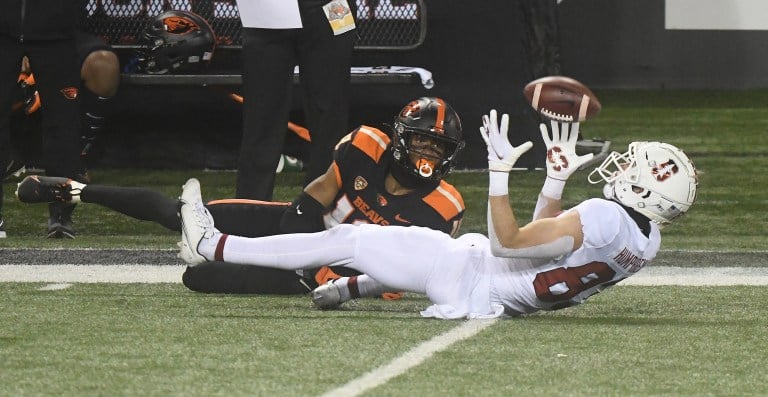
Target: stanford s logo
[179,25]
[558,160]
[664,171]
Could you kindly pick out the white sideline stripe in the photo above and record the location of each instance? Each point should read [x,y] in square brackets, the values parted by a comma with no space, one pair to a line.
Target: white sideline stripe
[699,276]
[54,287]
[91,273]
[121,274]
[410,359]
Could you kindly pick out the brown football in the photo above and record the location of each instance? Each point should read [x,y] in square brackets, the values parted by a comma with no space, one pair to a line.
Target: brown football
[562,98]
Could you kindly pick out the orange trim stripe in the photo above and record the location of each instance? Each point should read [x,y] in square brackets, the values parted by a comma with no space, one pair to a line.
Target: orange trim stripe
[371,141]
[246,201]
[440,121]
[302,132]
[337,173]
[446,200]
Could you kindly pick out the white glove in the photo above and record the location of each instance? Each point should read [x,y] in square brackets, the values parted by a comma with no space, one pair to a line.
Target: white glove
[502,156]
[562,160]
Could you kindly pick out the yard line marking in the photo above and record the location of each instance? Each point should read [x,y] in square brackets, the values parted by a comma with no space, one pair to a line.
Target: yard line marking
[54,287]
[410,359]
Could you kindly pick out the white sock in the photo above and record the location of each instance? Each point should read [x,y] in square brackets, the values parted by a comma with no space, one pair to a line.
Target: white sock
[77,188]
[207,246]
[359,287]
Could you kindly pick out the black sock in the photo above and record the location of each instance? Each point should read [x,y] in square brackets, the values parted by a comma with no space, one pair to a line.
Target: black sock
[95,111]
[136,202]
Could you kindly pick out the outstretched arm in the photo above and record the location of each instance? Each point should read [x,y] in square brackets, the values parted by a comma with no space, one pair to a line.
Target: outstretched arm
[561,162]
[305,214]
[545,238]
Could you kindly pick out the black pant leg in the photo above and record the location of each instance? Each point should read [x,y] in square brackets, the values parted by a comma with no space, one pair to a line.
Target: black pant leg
[268,62]
[137,202]
[250,220]
[324,62]
[247,219]
[10,65]
[229,278]
[57,76]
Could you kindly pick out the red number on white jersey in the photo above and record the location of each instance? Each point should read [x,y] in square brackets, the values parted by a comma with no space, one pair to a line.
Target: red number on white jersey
[563,283]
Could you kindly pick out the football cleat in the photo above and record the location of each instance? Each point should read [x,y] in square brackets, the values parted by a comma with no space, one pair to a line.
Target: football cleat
[60,221]
[327,296]
[46,189]
[60,230]
[13,168]
[196,223]
[2,229]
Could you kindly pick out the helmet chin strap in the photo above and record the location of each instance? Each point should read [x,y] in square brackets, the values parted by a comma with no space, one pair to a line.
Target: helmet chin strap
[608,191]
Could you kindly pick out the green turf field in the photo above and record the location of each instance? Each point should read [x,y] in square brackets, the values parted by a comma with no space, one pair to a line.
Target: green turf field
[161,339]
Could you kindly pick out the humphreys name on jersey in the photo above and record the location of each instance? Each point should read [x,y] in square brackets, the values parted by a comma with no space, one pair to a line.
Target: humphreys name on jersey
[629,261]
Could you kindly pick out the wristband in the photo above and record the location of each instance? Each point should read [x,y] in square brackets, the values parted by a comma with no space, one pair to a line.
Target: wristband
[498,183]
[553,188]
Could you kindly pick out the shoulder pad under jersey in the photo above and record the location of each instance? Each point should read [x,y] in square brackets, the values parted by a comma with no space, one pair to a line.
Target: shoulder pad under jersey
[369,140]
[446,200]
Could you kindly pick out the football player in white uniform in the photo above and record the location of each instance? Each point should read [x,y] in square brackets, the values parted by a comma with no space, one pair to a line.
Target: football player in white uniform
[556,261]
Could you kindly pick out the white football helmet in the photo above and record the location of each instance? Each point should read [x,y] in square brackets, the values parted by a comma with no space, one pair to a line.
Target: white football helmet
[656,179]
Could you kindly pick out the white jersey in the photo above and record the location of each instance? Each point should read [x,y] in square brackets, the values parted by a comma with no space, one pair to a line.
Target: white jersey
[460,276]
[613,249]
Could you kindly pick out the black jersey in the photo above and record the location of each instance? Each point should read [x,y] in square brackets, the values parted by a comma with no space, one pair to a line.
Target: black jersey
[361,162]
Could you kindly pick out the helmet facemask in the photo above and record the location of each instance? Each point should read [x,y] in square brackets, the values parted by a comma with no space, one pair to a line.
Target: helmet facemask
[427,137]
[413,150]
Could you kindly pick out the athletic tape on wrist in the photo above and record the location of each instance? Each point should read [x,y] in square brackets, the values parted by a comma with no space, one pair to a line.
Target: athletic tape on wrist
[498,183]
[553,188]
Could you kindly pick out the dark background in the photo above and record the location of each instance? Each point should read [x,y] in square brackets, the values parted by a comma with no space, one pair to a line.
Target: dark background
[476,57]
[481,54]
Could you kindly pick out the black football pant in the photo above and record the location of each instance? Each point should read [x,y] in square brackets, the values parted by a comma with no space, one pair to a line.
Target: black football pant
[238,217]
[269,57]
[57,75]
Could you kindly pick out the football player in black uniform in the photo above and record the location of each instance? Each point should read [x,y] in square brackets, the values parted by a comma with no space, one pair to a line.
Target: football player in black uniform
[43,31]
[100,74]
[387,179]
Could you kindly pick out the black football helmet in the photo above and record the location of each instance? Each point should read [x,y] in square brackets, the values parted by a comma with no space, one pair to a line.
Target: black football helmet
[175,42]
[434,119]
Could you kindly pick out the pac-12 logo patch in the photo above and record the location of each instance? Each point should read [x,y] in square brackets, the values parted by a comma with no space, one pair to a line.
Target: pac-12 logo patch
[360,183]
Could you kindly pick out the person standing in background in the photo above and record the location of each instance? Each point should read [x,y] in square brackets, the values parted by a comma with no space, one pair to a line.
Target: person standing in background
[100,74]
[316,35]
[44,31]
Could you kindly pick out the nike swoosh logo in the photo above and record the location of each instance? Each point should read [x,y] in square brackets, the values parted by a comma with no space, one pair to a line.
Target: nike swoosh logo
[401,219]
[299,211]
